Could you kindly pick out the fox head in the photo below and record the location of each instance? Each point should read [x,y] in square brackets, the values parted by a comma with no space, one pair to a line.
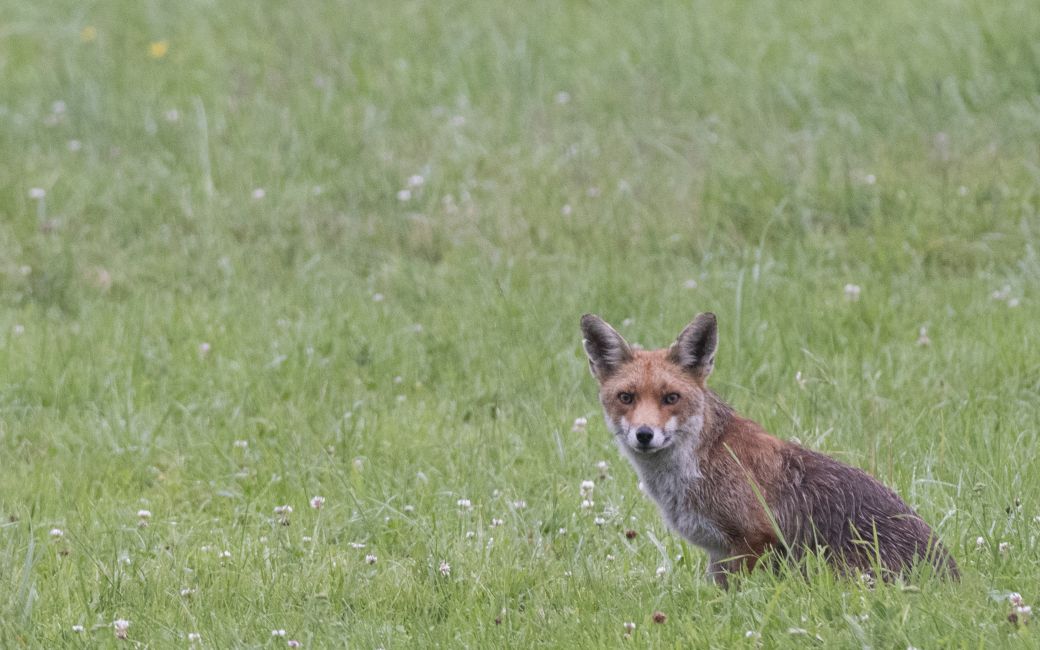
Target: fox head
[652,399]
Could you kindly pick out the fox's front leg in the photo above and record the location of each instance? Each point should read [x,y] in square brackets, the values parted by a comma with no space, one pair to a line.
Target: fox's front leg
[722,565]
[718,569]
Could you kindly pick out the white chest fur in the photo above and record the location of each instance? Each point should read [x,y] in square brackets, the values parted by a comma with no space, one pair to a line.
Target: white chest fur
[674,483]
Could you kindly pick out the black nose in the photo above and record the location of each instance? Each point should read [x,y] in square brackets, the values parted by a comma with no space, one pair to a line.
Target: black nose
[644,435]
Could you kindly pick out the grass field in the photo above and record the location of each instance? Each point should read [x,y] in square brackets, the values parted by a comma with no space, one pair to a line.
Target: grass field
[256,252]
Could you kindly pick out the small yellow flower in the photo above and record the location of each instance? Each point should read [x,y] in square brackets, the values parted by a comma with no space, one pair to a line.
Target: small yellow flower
[88,34]
[158,49]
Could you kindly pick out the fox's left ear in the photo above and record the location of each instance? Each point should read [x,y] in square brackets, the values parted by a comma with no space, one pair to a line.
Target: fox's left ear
[694,350]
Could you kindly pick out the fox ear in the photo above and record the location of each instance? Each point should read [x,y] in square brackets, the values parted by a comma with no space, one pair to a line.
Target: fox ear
[604,346]
[694,350]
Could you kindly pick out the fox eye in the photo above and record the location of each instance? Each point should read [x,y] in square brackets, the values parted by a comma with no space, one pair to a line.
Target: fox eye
[626,397]
[671,398]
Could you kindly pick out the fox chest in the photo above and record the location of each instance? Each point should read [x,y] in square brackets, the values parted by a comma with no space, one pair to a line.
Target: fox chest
[684,510]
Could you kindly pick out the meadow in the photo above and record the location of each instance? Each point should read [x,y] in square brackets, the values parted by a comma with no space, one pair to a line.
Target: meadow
[254,253]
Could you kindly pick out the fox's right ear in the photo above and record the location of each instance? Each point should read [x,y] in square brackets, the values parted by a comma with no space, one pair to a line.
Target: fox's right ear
[604,346]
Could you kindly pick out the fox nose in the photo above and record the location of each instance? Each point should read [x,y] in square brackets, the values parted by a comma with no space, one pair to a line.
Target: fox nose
[644,435]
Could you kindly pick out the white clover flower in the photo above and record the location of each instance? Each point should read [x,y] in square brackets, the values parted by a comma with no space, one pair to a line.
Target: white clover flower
[579,425]
[520,504]
[378,297]
[293,643]
[74,145]
[496,522]
[57,533]
[587,487]
[470,534]
[870,179]
[599,521]
[445,568]
[690,284]
[283,512]
[630,626]
[587,504]
[404,195]
[409,508]
[602,466]
[566,210]
[416,180]
[464,504]
[187,591]
[144,514]
[371,559]
[194,636]
[852,292]
[317,502]
[277,632]
[18,329]
[37,193]
[225,555]
[980,542]
[661,571]
[1004,547]
[204,348]
[242,444]
[121,627]
[259,193]
[78,629]
[922,337]
[356,545]
[562,97]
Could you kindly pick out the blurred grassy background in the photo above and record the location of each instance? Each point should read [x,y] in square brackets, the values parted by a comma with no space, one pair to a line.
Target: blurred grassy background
[358,236]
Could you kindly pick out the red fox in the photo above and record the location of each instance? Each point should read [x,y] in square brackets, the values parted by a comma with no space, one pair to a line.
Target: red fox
[729,487]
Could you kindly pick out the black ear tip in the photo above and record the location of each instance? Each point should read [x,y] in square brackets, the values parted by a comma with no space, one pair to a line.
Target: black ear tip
[588,320]
[708,317]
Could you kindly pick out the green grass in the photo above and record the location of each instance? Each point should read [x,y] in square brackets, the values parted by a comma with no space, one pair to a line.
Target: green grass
[576,156]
